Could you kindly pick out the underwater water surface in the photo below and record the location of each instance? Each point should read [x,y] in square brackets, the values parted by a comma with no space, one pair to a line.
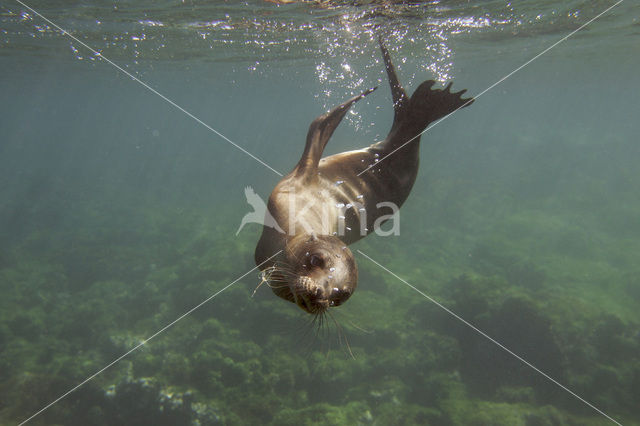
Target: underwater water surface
[119,212]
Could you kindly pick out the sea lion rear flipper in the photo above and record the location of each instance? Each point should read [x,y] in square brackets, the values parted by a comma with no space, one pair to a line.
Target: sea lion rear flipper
[319,133]
[400,98]
[426,105]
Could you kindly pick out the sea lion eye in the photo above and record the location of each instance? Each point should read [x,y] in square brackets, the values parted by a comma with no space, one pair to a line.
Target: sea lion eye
[316,261]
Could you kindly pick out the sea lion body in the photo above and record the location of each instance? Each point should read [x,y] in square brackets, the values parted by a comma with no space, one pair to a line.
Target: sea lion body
[325,204]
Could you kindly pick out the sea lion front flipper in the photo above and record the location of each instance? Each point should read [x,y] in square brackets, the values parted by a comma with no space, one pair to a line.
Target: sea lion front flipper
[319,133]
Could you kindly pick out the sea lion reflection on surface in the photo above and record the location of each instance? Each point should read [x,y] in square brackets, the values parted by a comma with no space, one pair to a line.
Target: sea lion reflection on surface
[325,204]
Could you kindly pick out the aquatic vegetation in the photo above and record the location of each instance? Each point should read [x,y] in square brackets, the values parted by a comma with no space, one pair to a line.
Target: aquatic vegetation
[233,361]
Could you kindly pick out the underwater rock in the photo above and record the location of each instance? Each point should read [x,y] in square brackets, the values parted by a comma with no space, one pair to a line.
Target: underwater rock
[547,416]
[516,394]
[519,325]
[322,413]
[525,274]
[5,336]
[634,389]
[366,417]
[26,393]
[614,340]
[470,297]
[131,402]
[143,401]
[27,324]
[632,287]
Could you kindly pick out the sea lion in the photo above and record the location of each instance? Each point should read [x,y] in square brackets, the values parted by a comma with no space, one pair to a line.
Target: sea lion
[325,204]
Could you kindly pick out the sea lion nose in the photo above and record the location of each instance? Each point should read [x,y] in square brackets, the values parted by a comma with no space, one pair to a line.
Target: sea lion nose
[317,300]
[317,295]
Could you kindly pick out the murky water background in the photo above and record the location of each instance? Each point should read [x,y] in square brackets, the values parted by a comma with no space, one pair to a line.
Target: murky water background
[118,213]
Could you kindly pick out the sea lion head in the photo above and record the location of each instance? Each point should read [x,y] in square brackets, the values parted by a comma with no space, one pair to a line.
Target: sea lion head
[318,272]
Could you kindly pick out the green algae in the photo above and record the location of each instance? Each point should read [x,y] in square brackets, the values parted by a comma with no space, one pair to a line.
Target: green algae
[255,359]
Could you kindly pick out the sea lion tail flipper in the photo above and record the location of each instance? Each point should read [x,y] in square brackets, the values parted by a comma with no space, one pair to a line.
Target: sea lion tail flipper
[319,133]
[426,105]
[400,98]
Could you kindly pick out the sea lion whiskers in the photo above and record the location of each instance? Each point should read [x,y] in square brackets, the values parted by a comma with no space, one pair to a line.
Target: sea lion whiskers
[283,271]
[322,330]
[311,327]
[345,314]
[283,265]
[275,287]
[342,334]
[317,330]
[265,277]
[277,273]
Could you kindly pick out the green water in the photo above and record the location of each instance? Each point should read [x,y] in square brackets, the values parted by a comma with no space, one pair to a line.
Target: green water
[119,212]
